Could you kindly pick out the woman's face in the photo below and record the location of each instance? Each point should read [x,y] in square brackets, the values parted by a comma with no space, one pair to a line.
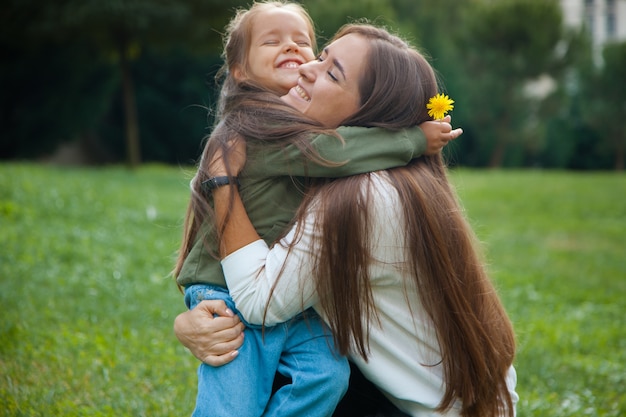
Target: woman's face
[328,88]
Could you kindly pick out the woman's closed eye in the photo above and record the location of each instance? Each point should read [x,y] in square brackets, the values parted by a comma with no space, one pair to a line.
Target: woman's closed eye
[332,76]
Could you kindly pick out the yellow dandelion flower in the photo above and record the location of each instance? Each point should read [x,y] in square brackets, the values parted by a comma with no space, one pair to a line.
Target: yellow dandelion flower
[439,105]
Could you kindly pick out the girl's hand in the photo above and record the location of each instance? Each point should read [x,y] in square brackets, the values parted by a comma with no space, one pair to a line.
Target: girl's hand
[211,332]
[438,133]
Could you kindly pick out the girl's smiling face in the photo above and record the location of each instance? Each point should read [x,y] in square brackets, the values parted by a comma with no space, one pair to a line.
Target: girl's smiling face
[279,44]
[328,88]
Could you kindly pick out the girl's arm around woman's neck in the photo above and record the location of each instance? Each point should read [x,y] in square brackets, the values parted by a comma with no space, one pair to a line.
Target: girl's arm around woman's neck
[232,220]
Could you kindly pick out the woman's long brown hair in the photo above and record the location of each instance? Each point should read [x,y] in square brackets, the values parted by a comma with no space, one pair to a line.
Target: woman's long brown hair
[474,333]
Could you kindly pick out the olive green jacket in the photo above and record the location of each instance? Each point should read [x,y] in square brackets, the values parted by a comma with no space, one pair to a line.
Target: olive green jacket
[272,185]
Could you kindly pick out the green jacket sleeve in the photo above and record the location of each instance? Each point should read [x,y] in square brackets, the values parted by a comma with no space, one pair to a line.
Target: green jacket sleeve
[364,150]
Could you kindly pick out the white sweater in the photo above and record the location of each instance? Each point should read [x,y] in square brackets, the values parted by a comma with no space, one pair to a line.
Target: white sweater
[403,344]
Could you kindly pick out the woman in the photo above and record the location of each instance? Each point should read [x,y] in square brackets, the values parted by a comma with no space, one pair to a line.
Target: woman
[264,46]
[387,259]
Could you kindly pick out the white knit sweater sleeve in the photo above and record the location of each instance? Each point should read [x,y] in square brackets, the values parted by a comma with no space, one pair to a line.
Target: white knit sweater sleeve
[252,272]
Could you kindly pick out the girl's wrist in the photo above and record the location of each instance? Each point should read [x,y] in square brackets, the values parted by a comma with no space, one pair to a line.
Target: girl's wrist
[213,183]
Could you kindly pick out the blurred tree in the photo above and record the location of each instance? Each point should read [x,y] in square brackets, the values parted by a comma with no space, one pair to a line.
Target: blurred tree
[50,93]
[174,96]
[432,28]
[512,54]
[119,29]
[570,143]
[330,15]
[604,100]
[507,63]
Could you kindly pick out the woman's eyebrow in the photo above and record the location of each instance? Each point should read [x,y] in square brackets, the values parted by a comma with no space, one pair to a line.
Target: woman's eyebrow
[336,64]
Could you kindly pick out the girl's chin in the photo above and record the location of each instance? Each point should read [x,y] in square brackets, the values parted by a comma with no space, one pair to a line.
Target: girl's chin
[289,79]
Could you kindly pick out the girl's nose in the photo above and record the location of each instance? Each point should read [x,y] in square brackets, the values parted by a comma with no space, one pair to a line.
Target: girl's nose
[292,47]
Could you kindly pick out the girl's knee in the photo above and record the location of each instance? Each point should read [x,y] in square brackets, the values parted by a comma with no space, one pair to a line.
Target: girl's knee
[337,374]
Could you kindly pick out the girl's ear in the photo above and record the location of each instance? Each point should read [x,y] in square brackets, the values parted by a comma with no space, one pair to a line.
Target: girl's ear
[238,73]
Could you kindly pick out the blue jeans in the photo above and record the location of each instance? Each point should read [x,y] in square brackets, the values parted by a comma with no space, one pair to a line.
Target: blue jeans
[302,349]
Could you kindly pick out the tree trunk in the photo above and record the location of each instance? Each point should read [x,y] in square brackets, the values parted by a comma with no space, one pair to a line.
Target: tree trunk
[620,151]
[497,156]
[133,150]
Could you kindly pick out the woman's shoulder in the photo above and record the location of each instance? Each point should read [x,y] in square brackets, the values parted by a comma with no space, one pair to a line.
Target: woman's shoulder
[385,198]
[382,187]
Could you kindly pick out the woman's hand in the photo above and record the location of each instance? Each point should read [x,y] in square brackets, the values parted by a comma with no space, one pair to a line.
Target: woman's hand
[438,134]
[213,340]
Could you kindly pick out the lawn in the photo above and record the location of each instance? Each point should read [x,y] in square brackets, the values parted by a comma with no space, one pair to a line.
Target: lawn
[87,303]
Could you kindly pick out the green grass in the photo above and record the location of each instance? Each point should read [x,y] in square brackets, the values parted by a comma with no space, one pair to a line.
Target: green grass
[556,243]
[87,304]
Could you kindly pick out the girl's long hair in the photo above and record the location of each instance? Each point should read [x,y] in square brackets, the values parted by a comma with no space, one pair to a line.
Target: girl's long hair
[263,120]
[442,255]
[247,110]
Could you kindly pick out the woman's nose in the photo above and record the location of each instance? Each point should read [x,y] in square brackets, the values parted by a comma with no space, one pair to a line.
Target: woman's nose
[308,70]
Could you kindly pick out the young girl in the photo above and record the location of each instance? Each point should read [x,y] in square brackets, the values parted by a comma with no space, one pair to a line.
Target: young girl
[264,47]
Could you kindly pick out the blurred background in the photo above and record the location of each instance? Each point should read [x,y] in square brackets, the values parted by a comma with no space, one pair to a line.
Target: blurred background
[537,83]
